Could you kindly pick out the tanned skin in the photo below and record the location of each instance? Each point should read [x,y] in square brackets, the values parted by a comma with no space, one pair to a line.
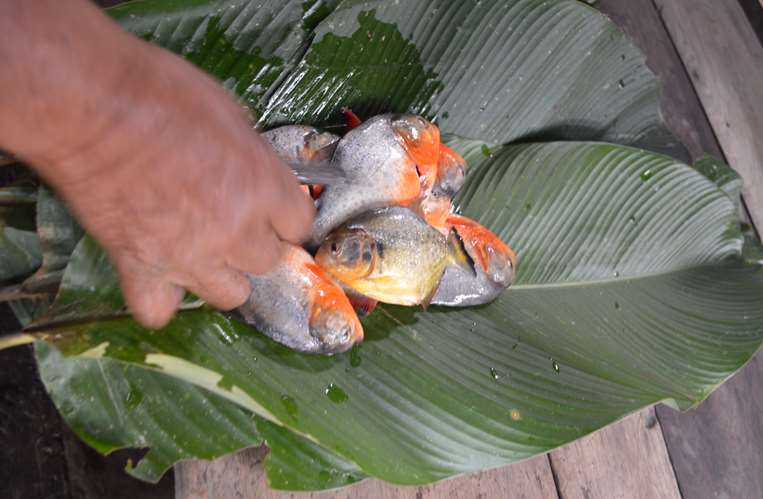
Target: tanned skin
[154,158]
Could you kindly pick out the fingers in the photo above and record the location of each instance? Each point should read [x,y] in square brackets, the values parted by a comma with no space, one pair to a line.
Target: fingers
[256,251]
[151,299]
[289,211]
[220,286]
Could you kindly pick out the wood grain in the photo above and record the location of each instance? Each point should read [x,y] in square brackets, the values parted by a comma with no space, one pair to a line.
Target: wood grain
[680,105]
[724,59]
[717,448]
[624,460]
[241,476]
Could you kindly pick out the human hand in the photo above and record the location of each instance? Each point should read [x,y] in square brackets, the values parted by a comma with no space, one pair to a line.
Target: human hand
[186,197]
[163,169]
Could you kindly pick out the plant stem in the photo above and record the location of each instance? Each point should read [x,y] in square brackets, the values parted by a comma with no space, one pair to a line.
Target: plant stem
[14,340]
[13,293]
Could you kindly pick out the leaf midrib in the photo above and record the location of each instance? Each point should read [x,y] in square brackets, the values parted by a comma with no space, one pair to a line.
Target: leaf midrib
[626,278]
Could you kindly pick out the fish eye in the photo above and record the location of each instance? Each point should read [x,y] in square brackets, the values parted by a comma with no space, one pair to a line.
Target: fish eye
[334,247]
[367,254]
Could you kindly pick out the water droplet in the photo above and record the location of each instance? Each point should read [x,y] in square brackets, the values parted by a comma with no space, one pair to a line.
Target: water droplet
[621,83]
[617,306]
[632,219]
[290,405]
[646,175]
[555,366]
[514,346]
[486,151]
[494,373]
[228,337]
[336,394]
[355,358]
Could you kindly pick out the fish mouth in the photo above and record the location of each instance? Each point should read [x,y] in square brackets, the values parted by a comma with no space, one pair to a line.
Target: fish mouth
[451,171]
[334,332]
[421,140]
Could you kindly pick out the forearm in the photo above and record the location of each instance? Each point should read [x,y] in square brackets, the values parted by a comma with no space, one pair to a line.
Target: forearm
[64,67]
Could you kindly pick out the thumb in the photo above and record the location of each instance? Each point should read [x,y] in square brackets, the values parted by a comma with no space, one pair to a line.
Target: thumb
[151,300]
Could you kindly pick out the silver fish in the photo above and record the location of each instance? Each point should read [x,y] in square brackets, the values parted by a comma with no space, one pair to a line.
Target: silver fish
[298,305]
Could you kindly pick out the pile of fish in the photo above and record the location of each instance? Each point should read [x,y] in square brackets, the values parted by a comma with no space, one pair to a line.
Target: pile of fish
[384,232]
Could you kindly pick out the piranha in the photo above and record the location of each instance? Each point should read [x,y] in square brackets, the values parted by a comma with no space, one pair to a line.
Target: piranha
[434,204]
[299,305]
[391,255]
[451,172]
[305,144]
[494,264]
[382,159]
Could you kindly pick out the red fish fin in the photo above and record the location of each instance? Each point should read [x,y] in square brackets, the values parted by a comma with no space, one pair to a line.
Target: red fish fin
[363,304]
[350,118]
[315,191]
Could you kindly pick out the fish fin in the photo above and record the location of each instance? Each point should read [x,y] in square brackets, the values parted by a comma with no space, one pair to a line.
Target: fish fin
[430,296]
[363,304]
[323,155]
[458,253]
[350,118]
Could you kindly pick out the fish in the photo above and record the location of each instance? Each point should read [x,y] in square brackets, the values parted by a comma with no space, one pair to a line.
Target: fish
[494,264]
[362,304]
[302,143]
[451,172]
[300,306]
[305,148]
[434,204]
[380,160]
[391,255]
[350,118]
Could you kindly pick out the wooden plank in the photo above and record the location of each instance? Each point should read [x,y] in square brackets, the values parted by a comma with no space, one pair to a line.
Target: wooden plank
[626,459]
[681,107]
[241,475]
[717,448]
[724,59]
[754,11]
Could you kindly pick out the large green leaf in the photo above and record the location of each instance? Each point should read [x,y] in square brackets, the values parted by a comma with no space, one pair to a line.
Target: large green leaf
[19,253]
[494,71]
[248,46]
[631,285]
[126,406]
[296,463]
[58,233]
[631,289]
[112,405]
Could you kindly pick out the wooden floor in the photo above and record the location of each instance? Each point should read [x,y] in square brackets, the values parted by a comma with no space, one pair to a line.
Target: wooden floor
[710,61]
